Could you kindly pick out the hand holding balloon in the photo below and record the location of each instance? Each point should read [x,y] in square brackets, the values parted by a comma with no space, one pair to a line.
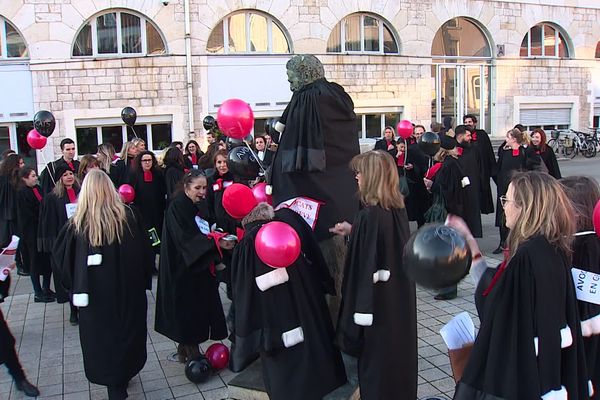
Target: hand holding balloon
[456,222]
[341,228]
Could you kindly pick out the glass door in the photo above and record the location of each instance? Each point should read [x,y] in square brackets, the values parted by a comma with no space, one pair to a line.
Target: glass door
[5,138]
[14,136]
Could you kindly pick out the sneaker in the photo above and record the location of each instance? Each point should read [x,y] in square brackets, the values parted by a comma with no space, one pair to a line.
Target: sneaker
[26,387]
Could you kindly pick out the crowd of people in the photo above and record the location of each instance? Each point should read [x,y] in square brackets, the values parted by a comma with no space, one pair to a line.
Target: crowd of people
[102,253]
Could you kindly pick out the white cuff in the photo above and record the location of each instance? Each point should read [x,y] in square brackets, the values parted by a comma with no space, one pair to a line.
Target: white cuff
[382,275]
[94,259]
[279,127]
[292,337]
[81,299]
[273,278]
[591,326]
[556,394]
[363,319]
[590,388]
[566,337]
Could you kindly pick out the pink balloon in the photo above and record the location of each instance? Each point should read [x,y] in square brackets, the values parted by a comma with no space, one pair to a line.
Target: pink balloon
[238,200]
[235,118]
[35,140]
[217,355]
[127,193]
[260,193]
[277,244]
[404,129]
[596,218]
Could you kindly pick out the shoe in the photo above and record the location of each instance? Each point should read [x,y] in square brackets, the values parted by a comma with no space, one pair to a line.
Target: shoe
[446,296]
[22,272]
[26,387]
[499,250]
[74,319]
[49,293]
[43,298]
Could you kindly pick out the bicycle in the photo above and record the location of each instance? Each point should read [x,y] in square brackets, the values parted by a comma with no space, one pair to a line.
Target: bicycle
[570,143]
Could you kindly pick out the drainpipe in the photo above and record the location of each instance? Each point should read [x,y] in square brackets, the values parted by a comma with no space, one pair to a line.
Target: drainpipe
[188,65]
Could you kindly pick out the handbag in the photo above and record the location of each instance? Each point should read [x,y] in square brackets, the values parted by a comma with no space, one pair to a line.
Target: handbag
[437,212]
[404,189]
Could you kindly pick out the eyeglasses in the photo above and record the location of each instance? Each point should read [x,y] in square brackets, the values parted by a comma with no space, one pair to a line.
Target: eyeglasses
[504,200]
[150,160]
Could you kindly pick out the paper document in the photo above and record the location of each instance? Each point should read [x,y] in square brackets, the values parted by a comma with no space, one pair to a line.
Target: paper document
[459,332]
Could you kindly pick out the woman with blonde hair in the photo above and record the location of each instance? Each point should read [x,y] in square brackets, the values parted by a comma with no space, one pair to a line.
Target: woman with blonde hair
[110,163]
[104,259]
[529,344]
[377,321]
[86,163]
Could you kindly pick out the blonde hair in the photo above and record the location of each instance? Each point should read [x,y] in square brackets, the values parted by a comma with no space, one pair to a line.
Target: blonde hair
[85,162]
[136,142]
[105,154]
[60,190]
[100,215]
[545,210]
[442,153]
[380,184]
[125,150]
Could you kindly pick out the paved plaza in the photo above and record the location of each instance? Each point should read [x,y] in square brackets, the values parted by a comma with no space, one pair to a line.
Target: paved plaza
[51,354]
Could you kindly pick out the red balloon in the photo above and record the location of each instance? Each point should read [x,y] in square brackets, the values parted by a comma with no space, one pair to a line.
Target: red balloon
[277,244]
[596,218]
[235,118]
[35,140]
[127,193]
[260,193]
[404,129]
[218,356]
[238,200]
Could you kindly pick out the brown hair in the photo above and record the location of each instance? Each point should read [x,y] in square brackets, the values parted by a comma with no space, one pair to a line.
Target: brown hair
[518,135]
[379,177]
[545,210]
[85,162]
[584,193]
[219,153]
[543,138]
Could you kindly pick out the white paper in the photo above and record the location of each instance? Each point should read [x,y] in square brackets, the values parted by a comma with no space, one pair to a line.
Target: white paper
[202,225]
[307,208]
[70,208]
[7,258]
[459,332]
[587,285]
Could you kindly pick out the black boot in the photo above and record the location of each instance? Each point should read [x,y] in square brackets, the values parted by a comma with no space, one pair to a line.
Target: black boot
[500,249]
[117,392]
[74,317]
[448,293]
[26,387]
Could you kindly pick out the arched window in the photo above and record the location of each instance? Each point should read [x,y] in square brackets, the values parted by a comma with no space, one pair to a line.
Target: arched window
[121,33]
[12,44]
[362,33]
[460,38]
[248,32]
[546,41]
[598,50]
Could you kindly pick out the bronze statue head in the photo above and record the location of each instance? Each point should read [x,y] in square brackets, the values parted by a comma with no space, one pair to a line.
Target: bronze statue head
[303,69]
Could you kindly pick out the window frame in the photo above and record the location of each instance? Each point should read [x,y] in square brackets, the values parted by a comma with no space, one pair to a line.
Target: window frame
[382,114]
[4,44]
[558,33]
[93,22]
[383,24]
[270,23]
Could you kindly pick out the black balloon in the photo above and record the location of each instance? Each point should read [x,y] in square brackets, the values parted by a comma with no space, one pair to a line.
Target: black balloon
[233,143]
[436,256]
[128,115]
[270,125]
[44,123]
[209,122]
[429,143]
[242,163]
[198,370]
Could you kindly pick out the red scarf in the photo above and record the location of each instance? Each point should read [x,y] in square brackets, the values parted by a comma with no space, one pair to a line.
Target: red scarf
[400,159]
[147,176]
[194,159]
[474,136]
[516,152]
[72,195]
[37,194]
[459,150]
[498,274]
[432,171]
[70,164]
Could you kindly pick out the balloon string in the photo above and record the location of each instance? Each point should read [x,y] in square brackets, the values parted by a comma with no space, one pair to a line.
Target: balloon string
[133,130]
[48,165]
[264,171]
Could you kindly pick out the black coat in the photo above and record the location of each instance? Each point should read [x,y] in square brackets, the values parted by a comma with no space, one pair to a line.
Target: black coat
[118,173]
[448,183]
[8,211]
[314,152]
[7,340]
[381,144]
[487,165]
[28,215]
[113,327]
[532,301]
[173,176]
[188,306]
[294,368]
[214,198]
[418,200]
[48,175]
[150,199]
[549,159]
[378,316]
[470,164]
[586,256]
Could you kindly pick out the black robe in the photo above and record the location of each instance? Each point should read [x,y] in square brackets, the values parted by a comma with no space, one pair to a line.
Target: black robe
[53,216]
[188,306]
[117,173]
[447,183]
[46,181]
[8,211]
[7,340]
[470,164]
[532,302]
[150,200]
[214,197]
[173,176]
[487,164]
[315,149]
[381,144]
[549,159]
[377,321]
[113,327]
[268,320]
[418,200]
[28,215]
[586,256]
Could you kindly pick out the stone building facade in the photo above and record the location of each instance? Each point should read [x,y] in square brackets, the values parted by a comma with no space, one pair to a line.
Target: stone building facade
[175,61]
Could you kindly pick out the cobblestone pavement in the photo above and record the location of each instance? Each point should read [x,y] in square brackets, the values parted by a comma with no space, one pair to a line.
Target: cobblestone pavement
[49,349]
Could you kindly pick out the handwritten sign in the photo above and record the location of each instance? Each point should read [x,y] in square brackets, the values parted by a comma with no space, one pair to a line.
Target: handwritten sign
[307,208]
[587,285]
[70,209]
[202,225]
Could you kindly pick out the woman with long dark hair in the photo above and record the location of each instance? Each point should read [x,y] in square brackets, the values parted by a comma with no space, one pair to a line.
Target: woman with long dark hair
[540,145]
[192,155]
[174,169]
[9,178]
[103,258]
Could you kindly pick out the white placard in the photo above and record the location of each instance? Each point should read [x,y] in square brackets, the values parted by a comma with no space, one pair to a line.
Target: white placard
[307,208]
[459,332]
[587,285]
[70,208]
[202,225]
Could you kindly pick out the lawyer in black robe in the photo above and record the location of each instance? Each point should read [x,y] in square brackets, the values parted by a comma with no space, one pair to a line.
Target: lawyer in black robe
[469,160]
[377,321]
[174,170]
[188,306]
[113,326]
[315,148]
[8,211]
[487,164]
[281,314]
[51,173]
[418,200]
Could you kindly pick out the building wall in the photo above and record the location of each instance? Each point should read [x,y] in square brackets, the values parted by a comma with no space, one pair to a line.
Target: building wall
[74,88]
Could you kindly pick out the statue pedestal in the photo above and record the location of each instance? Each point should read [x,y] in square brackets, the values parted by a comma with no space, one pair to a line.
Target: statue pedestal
[248,385]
